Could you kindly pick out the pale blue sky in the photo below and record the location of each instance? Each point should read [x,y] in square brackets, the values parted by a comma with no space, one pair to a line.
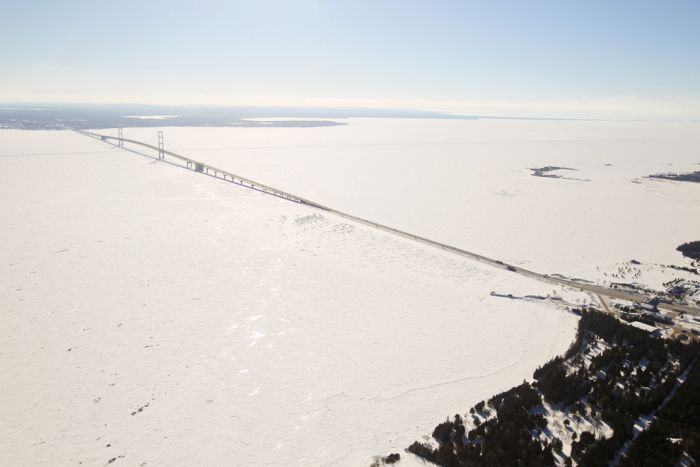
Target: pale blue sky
[564,58]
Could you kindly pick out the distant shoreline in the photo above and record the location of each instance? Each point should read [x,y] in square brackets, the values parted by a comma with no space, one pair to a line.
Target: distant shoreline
[42,116]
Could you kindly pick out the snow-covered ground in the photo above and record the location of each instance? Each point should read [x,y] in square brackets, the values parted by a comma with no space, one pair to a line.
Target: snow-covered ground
[467,183]
[153,316]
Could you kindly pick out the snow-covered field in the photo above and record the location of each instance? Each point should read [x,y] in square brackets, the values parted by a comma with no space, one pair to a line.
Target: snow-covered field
[467,183]
[153,316]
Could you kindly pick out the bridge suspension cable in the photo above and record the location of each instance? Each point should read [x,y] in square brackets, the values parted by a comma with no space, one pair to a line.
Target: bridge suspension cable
[206,169]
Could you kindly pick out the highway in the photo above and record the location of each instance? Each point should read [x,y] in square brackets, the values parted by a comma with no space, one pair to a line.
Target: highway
[251,184]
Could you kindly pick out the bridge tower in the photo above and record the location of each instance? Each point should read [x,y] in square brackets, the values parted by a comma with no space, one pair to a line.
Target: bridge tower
[121,137]
[161,148]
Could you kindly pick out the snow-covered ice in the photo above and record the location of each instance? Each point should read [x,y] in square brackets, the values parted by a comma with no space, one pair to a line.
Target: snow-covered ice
[156,316]
[174,319]
[467,183]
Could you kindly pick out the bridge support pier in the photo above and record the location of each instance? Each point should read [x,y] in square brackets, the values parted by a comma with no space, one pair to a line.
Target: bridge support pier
[161,147]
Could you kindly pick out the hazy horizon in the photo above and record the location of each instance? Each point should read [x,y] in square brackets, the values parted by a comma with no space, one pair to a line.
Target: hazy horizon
[111,115]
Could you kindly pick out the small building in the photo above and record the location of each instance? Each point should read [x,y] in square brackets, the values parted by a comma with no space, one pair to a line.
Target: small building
[657,318]
[655,300]
[646,307]
[643,326]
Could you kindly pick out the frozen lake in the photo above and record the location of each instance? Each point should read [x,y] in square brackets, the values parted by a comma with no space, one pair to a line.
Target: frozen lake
[467,183]
[153,315]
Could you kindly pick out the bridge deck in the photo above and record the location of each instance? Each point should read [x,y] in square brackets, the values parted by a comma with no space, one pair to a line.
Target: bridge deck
[251,184]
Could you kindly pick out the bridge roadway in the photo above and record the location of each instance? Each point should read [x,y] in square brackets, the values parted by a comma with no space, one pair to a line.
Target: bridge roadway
[251,184]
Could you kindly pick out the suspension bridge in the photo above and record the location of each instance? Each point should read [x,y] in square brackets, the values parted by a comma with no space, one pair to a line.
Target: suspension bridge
[206,169]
